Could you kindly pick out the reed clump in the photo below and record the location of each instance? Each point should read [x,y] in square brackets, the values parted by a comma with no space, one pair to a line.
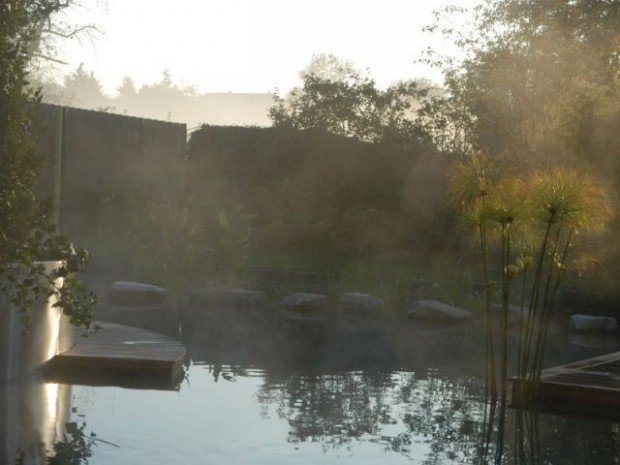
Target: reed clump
[529,226]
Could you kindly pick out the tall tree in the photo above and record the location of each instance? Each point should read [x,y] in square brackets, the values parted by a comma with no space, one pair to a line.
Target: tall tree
[127,89]
[539,77]
[166,89]
[19,157]
[340,99]
[83,89]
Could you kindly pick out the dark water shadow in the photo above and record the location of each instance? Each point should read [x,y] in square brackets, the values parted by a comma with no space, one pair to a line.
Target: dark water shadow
[524,437]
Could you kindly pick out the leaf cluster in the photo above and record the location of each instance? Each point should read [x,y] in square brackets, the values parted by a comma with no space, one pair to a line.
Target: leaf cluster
[73,448]
[528,220]
[337,98]
[538,77]
[489,193]
[27,233]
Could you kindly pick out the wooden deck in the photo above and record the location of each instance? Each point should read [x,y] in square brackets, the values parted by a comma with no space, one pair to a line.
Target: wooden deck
[589,386]
[120,355]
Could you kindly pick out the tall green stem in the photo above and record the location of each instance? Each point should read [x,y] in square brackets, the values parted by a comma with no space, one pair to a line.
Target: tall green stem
[490,365]
[551,299]
[546,309]
[521,332]
[506,278]
[533,307]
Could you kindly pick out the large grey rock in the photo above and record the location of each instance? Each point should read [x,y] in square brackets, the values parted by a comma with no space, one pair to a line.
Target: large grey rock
[305,302]
[357,302]
[141,305]
[306,315]
[433,311]
[360,314]
[129,293]
[225,314]
[579,322]
[229,297]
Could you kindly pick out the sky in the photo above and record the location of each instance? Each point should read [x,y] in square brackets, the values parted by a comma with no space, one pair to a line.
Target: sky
[249,45]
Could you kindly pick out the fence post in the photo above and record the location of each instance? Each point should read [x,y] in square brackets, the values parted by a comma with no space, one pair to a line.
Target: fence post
[60,123]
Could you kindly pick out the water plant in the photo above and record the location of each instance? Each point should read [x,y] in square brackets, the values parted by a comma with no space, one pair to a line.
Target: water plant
[165,242]
[231,239]
[530,222]
[73,447]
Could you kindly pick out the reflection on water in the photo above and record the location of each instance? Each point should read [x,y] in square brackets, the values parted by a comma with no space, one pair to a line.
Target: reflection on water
[32,415]
[530,438]
[414,415]
[72,447]
[298,407]
[250,415]
[264,403]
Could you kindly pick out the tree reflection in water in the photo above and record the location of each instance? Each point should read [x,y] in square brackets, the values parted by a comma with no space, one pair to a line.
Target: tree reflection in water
[334,408]
[430,418]
[405,411]
[530,438]
[342,398]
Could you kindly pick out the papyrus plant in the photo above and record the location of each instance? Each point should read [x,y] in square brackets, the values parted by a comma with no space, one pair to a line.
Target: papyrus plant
[530,224]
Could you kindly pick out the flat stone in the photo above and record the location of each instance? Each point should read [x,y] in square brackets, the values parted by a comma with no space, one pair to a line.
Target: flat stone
[305,302]
[129,293]
[580,322]
[433,311]
[356,302]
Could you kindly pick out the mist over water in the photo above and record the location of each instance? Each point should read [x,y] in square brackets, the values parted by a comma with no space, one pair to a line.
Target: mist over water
[318,258]
[257,400]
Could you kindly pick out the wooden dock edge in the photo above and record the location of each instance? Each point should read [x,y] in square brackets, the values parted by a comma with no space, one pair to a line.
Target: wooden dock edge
[119,355]
[570,397]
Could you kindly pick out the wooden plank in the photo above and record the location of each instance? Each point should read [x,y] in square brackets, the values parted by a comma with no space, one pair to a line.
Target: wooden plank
[122,356]
[590,386]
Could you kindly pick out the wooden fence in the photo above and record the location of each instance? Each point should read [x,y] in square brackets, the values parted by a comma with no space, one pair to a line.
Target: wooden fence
[99,162]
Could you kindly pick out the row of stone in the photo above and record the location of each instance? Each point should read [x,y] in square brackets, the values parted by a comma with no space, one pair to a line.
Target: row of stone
[128,295]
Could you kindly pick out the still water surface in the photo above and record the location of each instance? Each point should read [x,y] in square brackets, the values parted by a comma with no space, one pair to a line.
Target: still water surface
[306,412]
[248,416]
[406,398]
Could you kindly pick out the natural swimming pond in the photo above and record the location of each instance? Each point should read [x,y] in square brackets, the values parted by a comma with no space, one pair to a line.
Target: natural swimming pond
[248,415]
[304,404]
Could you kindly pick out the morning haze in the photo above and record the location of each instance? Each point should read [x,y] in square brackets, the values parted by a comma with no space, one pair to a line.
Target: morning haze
[301,232]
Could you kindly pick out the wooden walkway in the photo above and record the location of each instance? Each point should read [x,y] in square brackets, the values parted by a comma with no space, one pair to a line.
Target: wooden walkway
[589,386]
[120,355]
